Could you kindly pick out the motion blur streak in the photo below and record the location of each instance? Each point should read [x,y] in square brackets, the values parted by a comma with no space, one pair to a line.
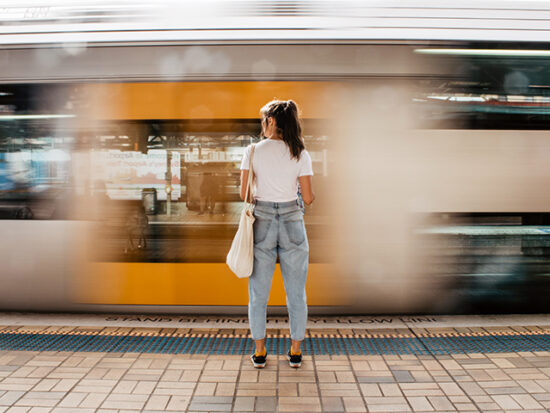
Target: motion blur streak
[393,172]
[373,191]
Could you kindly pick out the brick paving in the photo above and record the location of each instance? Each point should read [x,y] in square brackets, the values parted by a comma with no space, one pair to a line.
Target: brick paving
[51,382]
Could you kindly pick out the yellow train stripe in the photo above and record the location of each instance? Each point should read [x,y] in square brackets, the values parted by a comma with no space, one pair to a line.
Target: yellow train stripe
[193,284]
[205,100]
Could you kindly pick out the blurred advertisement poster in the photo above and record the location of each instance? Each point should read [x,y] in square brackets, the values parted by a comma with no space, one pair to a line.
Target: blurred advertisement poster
[37,169]
[6,181]
[125,174]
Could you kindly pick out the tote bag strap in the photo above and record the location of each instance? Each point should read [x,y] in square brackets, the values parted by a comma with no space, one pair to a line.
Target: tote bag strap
[250,177]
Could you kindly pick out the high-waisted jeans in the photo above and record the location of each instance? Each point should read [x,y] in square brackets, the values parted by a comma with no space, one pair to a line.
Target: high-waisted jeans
[279,230]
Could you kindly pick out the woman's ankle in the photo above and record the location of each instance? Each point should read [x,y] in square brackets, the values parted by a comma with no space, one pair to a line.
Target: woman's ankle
[261,352]
[260,347]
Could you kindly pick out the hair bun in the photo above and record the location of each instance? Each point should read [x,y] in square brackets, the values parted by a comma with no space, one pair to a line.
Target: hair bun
[291,105]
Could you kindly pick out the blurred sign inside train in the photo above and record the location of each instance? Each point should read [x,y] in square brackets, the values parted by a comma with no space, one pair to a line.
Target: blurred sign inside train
[126,174]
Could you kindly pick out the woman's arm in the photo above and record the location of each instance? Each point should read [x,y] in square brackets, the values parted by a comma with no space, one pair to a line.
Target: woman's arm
[307,189]
[244,180]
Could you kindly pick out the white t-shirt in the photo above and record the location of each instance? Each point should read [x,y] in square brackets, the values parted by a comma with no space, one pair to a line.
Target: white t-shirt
[276,173]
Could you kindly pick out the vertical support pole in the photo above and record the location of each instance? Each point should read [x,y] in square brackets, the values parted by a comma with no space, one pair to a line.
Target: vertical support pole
[168,186]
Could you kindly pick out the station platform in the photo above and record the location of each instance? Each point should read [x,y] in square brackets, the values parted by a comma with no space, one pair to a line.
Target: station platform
[187,363]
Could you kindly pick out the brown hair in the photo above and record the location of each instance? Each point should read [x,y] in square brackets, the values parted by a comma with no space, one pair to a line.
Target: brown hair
[285,114]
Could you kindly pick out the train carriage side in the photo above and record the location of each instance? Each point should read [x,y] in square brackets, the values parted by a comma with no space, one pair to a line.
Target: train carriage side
[394,133]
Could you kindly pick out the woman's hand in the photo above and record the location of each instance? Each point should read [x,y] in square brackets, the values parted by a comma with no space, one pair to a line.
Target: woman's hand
[306,188]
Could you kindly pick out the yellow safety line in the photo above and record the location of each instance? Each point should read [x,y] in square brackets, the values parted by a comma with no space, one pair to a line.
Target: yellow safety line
[281,335]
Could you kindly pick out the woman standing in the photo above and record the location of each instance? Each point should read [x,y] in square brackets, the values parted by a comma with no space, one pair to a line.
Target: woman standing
[279,163]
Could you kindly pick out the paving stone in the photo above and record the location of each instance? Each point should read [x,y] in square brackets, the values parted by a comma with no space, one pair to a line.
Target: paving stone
[225,389]
[125,401]
[506,402]
[157,402]
[144,387]
[393,408]
[178,403]
[93,400]
[249,376]
[531,386]
[451,389]
[190,375]
[72,400]
[308,389]
[299,404]
[420,403]
[10,397]
[441,403]
[384,379]
[466,407]
[65,385]
[472,389]
[526,401]
[385,400]
[370,389]
[22,386]
[326,377]
[488,406]
[210,407]
[422,392]
[345,377]
[354,404]
[211,399]
[542,397]
[244,404]
[219,376]
[18,409]
[266,376]
[332,404]
[403,376]
[266,404]
[205,389]
[40,410]
[256,389]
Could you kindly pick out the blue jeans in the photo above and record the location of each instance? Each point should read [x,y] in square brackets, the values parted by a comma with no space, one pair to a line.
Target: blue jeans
[279,230]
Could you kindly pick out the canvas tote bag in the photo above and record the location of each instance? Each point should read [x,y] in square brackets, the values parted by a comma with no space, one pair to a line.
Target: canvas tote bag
[241,255]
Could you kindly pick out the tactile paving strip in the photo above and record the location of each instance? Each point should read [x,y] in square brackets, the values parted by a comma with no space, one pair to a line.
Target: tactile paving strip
[352,344]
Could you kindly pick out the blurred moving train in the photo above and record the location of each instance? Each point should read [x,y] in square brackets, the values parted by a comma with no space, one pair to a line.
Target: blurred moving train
[122,127]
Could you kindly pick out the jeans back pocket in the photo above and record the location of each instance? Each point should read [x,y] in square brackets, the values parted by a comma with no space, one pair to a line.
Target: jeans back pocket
[293,223]
[261,225]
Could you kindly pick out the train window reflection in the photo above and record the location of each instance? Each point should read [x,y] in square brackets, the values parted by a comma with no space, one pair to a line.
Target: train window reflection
[489,91]
[177,200]
[34,175]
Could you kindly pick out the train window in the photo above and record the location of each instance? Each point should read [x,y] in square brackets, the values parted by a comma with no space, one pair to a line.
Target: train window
[489,89]
[177,198]
[160,175]
[35,154]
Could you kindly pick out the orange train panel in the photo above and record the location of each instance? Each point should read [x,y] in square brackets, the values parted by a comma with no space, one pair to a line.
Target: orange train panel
[205,100]
[193,284]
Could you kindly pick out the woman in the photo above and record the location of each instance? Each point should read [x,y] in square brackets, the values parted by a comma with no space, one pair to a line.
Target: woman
[279,163]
